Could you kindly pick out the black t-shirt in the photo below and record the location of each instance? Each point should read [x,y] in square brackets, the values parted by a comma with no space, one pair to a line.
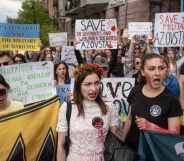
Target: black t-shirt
[156,110]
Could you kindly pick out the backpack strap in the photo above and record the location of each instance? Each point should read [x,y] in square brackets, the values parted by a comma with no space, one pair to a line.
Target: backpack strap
[68,116]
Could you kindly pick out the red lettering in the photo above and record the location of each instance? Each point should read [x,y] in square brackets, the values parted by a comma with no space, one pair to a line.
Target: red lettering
[170,19]
[162,19]
[175,18]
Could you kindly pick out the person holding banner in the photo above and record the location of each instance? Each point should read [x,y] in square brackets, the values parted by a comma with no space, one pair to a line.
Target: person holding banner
[90,118]
[136,68]
[48,57]
[152,106]
[19,59]
[61,73]
[6,105]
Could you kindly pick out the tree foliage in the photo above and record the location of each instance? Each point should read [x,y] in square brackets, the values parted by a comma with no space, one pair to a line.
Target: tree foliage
[33,12]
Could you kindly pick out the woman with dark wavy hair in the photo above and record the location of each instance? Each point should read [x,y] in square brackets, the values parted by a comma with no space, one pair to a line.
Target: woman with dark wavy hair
[61,73]
[19,59]
[90,118]
[152,106]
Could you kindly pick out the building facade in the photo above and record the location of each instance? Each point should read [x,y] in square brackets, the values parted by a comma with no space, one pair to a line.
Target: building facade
[67,11]
[52,6]
[139,10]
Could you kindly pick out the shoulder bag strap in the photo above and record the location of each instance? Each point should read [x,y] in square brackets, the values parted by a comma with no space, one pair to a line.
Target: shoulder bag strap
[68,115]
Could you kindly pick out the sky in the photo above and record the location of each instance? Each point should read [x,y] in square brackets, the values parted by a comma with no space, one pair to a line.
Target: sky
[9,8]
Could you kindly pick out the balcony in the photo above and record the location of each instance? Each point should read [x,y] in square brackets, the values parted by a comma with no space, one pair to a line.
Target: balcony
[74,7]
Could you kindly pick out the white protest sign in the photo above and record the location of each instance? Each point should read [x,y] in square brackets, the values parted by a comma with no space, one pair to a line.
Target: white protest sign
[139,28]
[30,82]
[96,34]
[116,90]
[68,55]
[58,39]
[169,29]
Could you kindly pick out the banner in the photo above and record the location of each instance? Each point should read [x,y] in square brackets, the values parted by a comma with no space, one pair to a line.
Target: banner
[29,134]
[19,44]
[30,82]
[63,92]
[161,147]
[19,37]
[96,34]
[169,30]
[139,28]
[58,39]
[116,91]
[19,30]
[68,55]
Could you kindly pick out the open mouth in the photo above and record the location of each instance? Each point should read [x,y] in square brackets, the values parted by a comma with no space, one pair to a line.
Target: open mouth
[92,95]
[157,81]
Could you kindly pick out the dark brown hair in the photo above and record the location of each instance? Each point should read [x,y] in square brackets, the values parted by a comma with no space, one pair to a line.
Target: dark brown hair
[67,77]
[78,98]
[19,56]
[148,57]
[3,82]
[151,56]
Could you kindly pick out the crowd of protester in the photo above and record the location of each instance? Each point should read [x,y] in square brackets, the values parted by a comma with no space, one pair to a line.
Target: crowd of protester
[159,85]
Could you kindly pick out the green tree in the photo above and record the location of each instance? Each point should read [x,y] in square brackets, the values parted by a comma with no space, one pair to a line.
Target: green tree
[33,12]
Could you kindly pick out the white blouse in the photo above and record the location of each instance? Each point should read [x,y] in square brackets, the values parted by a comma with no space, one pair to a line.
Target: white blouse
[87,141]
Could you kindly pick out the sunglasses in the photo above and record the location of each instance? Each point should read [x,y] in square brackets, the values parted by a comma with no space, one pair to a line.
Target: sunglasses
[3,92]
[4,64]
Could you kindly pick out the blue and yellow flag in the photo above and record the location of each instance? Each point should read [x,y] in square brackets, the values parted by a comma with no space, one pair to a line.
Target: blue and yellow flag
[161,147]
[29,134]
[20,37]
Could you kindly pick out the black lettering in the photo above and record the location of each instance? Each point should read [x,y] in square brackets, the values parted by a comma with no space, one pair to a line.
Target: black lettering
[174,39]
[162,38]
[102,90]
[83,24]
[96,27]
[90,24]
[167,38]
[113,93]
[126,87]
[83,45]
[102,25]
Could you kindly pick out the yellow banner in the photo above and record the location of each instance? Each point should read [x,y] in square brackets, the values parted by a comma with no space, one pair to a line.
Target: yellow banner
[19,44]
[29,134]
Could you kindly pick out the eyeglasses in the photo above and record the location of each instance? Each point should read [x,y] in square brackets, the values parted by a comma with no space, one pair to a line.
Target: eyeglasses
[88,84]
[4,64]
[3,92]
